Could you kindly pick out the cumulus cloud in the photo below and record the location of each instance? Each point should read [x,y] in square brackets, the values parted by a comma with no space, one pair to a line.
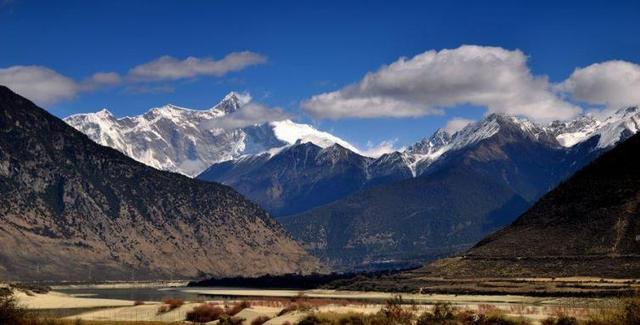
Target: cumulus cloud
[430,82]
[101,79]
[611,83]
[45,86]
[246,115]
[456,124]
[170,68]
[376,150]
[40,84]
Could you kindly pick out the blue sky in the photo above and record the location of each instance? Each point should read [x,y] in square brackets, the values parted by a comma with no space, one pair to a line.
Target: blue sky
[310,48]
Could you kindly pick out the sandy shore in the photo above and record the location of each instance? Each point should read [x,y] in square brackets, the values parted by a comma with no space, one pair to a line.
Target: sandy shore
[374,296]
[273,301]
[56,300]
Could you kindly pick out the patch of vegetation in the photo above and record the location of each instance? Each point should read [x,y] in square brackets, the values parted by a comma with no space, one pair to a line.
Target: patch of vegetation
[395,312]
[295,306]
[204,313]
[561,320]
[209,312]
[229,320]
[10,312]
[625,311]
[237,307]
[170,304]
[260,320]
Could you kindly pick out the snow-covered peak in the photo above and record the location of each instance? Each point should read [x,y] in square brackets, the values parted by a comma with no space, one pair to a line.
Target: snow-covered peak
[232,102]
[104,113]
[427,145]
[568,133]
[177,139]
[611,128]
[291,133]
[428,150]
[618,126]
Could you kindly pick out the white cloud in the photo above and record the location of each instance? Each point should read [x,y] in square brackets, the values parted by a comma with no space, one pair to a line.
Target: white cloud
[377,150]
[101,79]
[45,86]
[493,77]
[39,84]
[249,114]
[456,124]
[170,68]
[611,83]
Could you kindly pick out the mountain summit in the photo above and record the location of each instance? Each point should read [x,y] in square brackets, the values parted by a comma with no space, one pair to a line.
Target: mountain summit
[181,140]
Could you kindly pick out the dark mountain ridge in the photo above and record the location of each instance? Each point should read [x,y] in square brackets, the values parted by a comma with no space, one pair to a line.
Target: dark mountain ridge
[300,176]
[74,210]
[464,195]
[587,226]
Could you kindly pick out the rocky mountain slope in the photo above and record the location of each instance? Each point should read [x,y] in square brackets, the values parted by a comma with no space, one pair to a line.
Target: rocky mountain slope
[459,198]
[304,175]
[71,209]
[481,179]
[298,177]
[589,226]
[183,140]
[275,180]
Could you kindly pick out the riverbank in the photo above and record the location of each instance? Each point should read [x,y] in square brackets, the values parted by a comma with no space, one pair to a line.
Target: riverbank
[282,306]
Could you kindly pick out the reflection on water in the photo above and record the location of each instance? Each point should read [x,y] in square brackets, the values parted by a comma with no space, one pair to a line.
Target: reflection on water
[144,294]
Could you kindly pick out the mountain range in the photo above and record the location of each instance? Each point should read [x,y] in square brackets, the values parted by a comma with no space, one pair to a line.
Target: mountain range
[437,197]
[183,140]
[71,209]
[587,226]
[434,198]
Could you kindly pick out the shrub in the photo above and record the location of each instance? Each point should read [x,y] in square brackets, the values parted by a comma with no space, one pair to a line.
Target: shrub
[631,313]
[296,306]
[619,312]
[228,320]
[205,313]
[237,307]
[312,320]
[561,320]
[173,303]
[394,312]
[10,312]
[138,303]
[260,320]
[170,304]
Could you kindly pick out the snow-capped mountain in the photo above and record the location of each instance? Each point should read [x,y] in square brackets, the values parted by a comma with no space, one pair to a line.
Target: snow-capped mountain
[617,126]
[461,187]
[611,129]
[275,179]
[181,140]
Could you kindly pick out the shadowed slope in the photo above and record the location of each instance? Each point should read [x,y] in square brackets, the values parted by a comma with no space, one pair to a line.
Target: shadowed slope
[588,225]
[71,209]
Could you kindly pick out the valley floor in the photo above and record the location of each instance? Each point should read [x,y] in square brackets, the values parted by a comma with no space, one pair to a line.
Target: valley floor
[289,306]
